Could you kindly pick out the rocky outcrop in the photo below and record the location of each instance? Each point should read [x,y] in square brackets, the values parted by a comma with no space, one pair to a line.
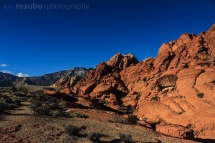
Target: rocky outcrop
[21,81]
[67,82]
[176,131]
[176,87]
[122,61]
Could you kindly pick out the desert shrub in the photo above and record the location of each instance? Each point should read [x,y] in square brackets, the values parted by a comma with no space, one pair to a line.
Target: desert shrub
[189,126]
[39,110]
[79,115]
[36,103]
[19,94]
[3,106]
[13,88]
[118,119]
[17,101]
[23,89]
[93,137]
[9,100]
[179,113]
[54,106]
[59,113]
[131,110]
[132,119]
[138,95]
[200,95]
[39,92]
[125,138]
[156,98]
[72,130]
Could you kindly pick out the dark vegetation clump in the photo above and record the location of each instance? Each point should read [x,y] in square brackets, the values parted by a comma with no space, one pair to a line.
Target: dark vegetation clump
[60,113]
[132,119]
[125,138]
[200,95]
[72,130]
[79,115]
[189,126]
[93,137]
[156,98]
[118,119]
[39,110]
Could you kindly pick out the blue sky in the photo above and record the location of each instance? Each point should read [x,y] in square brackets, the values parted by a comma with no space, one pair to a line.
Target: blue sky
[57,35]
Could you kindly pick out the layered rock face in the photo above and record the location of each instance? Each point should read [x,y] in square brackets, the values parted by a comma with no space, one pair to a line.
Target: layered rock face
[175,90]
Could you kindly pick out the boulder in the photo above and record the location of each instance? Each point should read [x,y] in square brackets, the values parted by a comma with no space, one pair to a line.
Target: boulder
[101,89]
[175,131]
[55,94]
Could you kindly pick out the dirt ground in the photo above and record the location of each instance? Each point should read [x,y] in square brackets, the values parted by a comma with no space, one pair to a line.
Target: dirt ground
[21,125]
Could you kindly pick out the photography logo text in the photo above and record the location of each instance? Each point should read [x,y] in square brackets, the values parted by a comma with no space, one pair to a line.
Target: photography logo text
[51,6]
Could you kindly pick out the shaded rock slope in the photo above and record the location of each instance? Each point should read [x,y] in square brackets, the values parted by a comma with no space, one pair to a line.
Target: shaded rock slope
[174,90]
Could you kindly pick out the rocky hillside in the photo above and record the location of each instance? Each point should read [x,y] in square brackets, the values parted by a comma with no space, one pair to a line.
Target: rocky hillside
[6,79]
[174,91]
[49,79]
[45,80]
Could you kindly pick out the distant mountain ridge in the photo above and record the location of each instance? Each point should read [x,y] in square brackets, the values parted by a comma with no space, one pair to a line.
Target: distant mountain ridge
[7,79]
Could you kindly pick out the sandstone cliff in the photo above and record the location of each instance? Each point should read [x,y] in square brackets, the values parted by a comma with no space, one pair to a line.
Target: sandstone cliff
[174,90]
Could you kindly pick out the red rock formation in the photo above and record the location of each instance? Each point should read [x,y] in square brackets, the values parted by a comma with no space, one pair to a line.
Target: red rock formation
[163,88]
[175,131]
